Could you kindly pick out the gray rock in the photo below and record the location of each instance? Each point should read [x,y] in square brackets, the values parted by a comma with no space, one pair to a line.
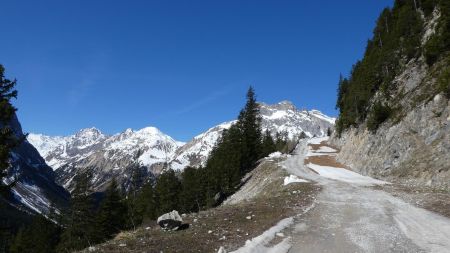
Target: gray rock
[170,221]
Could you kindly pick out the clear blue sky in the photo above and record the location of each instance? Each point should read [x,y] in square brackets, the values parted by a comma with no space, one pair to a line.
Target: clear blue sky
[182,66]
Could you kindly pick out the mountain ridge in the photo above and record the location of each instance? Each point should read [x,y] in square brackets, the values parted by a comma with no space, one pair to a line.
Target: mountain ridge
[150,151]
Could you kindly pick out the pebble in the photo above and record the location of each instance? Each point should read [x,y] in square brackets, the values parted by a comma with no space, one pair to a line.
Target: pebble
[210,232]
[248,217]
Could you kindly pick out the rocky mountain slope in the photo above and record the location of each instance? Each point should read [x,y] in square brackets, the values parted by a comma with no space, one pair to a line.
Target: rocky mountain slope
[148,151]
[412,144]
[144,152]
[35,189]
[282,117]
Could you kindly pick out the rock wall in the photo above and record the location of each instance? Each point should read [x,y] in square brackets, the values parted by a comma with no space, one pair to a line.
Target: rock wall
[415,150]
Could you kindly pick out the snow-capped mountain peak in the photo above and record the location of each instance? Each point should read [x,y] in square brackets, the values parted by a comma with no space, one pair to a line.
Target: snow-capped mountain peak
[150,150]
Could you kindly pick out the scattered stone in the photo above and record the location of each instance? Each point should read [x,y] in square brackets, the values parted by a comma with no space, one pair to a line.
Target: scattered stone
[147,228]
[122,245]
[280,234]
[92,249]
[248,217]
[209,231]
[170,221]
[195,220]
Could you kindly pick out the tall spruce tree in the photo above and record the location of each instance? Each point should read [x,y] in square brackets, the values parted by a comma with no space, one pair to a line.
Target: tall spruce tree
[249,121]
[268,144]
[192,196]
[7,139]
[146,202]
[167,192]
[80,225]
[111,216]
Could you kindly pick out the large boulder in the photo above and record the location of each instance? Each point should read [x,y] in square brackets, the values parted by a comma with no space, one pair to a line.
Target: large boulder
[170,221]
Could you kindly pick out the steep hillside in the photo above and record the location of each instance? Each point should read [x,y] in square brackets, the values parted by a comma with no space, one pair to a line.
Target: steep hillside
[35,189]
[394,117]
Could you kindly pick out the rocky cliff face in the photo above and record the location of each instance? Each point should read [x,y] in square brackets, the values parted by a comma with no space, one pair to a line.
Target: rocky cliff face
[35,189]
[416,150]
[414,145]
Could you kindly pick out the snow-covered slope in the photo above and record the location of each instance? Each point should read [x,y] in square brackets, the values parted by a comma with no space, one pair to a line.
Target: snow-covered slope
[148,151]
[280,117]
[144,151]
[59,151]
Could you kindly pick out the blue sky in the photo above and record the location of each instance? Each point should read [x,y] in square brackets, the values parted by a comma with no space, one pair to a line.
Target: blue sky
[181,66]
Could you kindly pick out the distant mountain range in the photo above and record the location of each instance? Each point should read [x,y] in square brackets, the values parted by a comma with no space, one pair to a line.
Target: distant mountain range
[148,151]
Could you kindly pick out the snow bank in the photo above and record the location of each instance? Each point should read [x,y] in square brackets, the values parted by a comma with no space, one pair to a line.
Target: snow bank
[344,175]
[325,149]
[276,155]
[258,243]
[317,140]
[293,179]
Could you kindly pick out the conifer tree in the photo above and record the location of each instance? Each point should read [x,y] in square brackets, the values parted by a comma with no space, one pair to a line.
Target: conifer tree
[268,144]
[111,215]
[7,139]
[192,197]
[249,122]
[80,227]
[167,192]
[134,217]
[146,202]
[41,236]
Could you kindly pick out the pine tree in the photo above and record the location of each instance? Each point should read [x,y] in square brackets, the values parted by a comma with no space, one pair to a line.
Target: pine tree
[111,217]
[7,138]
[41,236]
[146,202]
[192,197]
[80,227]
[134,217]
[268,144]
[167,192]
[249,121]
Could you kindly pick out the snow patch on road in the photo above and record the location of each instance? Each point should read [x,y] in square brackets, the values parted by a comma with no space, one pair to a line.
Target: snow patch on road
[325,149]
[258,244]
[293,179]
[344,175]
[317,140]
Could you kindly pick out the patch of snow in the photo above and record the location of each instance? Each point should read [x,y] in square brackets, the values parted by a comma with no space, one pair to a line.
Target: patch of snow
[317,140]
[276,155]
[259,243]
[344,175]
[325,149]
[293,179]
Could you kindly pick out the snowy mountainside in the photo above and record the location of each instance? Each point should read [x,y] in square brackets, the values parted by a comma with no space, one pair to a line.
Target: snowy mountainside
[148,151]
[58,150]
[120,155]
[280,117]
